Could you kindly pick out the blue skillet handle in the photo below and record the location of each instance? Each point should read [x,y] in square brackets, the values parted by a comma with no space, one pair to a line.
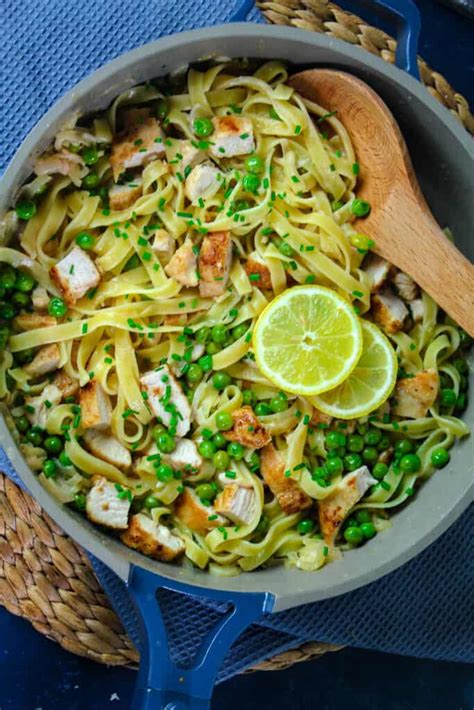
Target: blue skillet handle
[403,12]
[161,684]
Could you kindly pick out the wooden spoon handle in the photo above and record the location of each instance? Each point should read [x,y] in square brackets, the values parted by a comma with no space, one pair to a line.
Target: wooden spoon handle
[427,255]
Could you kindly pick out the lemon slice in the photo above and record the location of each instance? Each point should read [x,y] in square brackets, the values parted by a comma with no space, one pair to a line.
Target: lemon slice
[369,384]
[307,340]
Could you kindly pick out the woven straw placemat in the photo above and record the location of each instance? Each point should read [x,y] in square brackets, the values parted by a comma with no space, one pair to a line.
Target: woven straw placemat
[44,576]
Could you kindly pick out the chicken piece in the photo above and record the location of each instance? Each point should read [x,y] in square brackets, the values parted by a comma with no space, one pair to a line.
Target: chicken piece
[141,142]
[237,503]
[46,360]
[405,286]
[106,447]
[415,395]
[318,417]
[233,135]
[166,398]
[204,181]
[389,311]
[183,265]
[134,117]
[286,490]
[58,163]
[163,243]
[96,409]
[38,408]
[106,505]
[379,271]
[334,509]
[254,267]
[187,156]
[195,515]
[215,258]
[247,429]
[152,539]
[417,310]
[32,321]
[40,298]
[185,456]
[175,319]
[75,274]
[123,196]
[68,386]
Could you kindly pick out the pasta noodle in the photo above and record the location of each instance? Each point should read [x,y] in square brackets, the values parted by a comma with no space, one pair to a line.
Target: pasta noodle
[238,157]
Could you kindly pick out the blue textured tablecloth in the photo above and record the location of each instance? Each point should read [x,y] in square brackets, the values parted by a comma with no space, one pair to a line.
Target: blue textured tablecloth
[426,608]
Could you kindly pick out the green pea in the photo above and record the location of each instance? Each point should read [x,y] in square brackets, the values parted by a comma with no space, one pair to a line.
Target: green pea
[35,436]
[360,208]
[203,127]
[368,530]
[355,443]
[157,430]
[353,535]
[363,516]
[361,241]
[151,502]
[305,526]
[7,311]
[447,397]
[278,404]
[262,409]
[373,437]
[195,373]
[21,300]
[254,164]
[165,442]
[212,348]
[332,440]
[334,453]
[352,462]
[162,109]
[205,362]
[224,421]
[336,205]
[219,440]
[440,457]
[90,155]
[53,444]
[335,466]
[203,335]
[221,380]
[370,455]
[80,501]
[57,307]
[240,205]
[404,446]
[285,249]
[7,277]
[22,424]
[350,523]
[254,462]
[384,443]
[235,450]
[410,463]
[221,460]
[64,459]
[379,470]
[91,180]
[50,468]
[24,282]
[239,330]
[85,241]
[263,525]
[219,334]
[461,402]
[207,449]
[249,397]
[26,209]
[164,473]
[205,491]
[4,336]
[461,366]
[362,428]
[251,182]
[320,472]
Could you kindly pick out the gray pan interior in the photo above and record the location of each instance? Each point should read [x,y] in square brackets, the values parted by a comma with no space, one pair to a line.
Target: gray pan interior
[443,158]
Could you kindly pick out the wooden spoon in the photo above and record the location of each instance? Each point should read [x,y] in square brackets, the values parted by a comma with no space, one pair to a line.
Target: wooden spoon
[400,222]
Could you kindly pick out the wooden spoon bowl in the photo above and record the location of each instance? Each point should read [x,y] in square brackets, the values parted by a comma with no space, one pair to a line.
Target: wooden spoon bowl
[400,222]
